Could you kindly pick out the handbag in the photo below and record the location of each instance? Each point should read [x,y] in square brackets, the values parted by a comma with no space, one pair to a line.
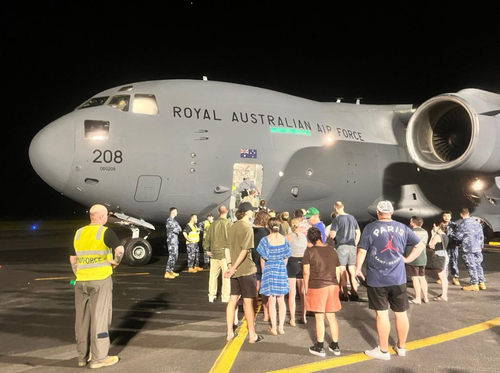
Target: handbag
[438,261]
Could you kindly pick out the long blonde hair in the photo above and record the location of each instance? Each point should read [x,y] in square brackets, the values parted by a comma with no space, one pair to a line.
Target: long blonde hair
[294,226]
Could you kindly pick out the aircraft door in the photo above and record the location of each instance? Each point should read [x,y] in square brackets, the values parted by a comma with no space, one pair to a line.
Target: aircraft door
[253,172]
[148,188]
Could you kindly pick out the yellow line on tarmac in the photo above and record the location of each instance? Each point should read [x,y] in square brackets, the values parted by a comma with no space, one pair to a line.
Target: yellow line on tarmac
[73,277]
[228,355]
[414,345]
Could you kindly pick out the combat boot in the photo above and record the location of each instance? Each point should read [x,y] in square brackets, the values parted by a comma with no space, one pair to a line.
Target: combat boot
[169,275]
[471,287]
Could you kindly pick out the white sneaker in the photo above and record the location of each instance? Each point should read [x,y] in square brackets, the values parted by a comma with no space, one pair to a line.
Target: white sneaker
[399,351]
[211,298]
[110,360]
[377,354]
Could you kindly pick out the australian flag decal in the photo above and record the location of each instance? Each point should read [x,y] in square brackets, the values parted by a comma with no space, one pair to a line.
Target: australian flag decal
[248,153]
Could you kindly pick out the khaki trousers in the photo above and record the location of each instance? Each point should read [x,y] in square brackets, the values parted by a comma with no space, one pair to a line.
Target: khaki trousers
[216,266]
[93,304]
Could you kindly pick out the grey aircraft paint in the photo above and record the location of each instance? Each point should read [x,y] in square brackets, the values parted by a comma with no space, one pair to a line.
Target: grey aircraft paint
[144,147]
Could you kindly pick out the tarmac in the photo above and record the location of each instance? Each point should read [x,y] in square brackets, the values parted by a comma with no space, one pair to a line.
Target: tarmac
[169,326]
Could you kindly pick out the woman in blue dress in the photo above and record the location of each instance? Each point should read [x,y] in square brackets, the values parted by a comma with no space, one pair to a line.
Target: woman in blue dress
[274,251]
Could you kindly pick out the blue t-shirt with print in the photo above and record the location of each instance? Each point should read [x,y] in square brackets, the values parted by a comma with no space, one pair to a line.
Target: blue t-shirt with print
[385,243]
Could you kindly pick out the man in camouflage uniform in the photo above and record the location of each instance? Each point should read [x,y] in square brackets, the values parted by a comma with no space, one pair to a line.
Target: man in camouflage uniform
[173,230]
[452,248]
[469,234]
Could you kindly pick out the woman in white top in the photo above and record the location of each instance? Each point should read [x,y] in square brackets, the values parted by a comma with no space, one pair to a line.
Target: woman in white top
[298,244]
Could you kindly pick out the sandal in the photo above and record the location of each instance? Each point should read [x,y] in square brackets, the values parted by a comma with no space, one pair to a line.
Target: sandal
[413,301]
[259,338]
[230,339]
[281,331]
[271,331]
[292,323]
[440,298]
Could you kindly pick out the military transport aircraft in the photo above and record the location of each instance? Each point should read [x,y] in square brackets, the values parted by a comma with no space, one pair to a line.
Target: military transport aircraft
[144,147]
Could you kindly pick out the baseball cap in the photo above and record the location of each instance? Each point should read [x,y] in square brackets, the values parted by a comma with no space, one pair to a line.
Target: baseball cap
[310,212]
[385,206]
[245,206]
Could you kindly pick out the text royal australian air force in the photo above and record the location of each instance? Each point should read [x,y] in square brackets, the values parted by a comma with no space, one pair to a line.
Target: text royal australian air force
[286,123]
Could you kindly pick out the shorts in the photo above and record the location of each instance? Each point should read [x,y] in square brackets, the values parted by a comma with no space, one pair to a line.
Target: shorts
[379,298]
[323,299]
[294,267]
[414,271]
[246,286]
[347,255]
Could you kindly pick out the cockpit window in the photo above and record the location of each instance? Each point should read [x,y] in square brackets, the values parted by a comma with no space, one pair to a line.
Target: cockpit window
[145,104]
[120,102]
[94,101]
[96,129]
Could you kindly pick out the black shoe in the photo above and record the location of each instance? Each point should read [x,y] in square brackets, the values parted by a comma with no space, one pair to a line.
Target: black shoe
[334,347]
[317,350]
[353,297]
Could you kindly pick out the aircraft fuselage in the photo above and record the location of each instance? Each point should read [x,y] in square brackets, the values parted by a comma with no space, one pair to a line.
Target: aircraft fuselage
[144,148]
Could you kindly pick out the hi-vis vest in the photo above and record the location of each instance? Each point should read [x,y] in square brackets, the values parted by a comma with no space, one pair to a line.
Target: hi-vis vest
[194,235]
[206,225]
[91,254]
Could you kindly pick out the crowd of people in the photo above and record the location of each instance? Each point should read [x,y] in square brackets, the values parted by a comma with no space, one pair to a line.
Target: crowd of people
[266,256]
[272,257]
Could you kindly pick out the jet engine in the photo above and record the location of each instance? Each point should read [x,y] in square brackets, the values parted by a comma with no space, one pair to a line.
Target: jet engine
[457,131]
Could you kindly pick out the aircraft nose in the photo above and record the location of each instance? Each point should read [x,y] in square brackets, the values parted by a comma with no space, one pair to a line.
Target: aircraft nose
[51,153]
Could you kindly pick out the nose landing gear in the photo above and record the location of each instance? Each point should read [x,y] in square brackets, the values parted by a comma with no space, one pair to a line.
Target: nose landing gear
[138,251]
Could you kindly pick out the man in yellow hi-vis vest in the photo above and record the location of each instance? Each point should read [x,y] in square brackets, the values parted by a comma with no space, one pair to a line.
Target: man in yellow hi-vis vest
[92,261]
[192,235]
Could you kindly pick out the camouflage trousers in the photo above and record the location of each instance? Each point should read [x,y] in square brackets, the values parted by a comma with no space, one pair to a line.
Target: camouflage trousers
[173,255]
[206,258]
[453,265]
[473,263]
[193,255]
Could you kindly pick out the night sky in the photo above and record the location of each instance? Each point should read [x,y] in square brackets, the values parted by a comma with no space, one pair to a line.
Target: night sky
[56,55]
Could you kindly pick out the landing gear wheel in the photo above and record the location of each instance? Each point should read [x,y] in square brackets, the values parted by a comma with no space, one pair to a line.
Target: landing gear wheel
[138,251]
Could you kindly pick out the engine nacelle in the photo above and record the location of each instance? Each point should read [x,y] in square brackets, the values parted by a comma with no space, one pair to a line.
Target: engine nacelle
[458,131]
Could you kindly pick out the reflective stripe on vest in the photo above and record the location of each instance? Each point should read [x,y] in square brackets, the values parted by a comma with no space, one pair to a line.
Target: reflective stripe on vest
[91,254]
[194,235]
